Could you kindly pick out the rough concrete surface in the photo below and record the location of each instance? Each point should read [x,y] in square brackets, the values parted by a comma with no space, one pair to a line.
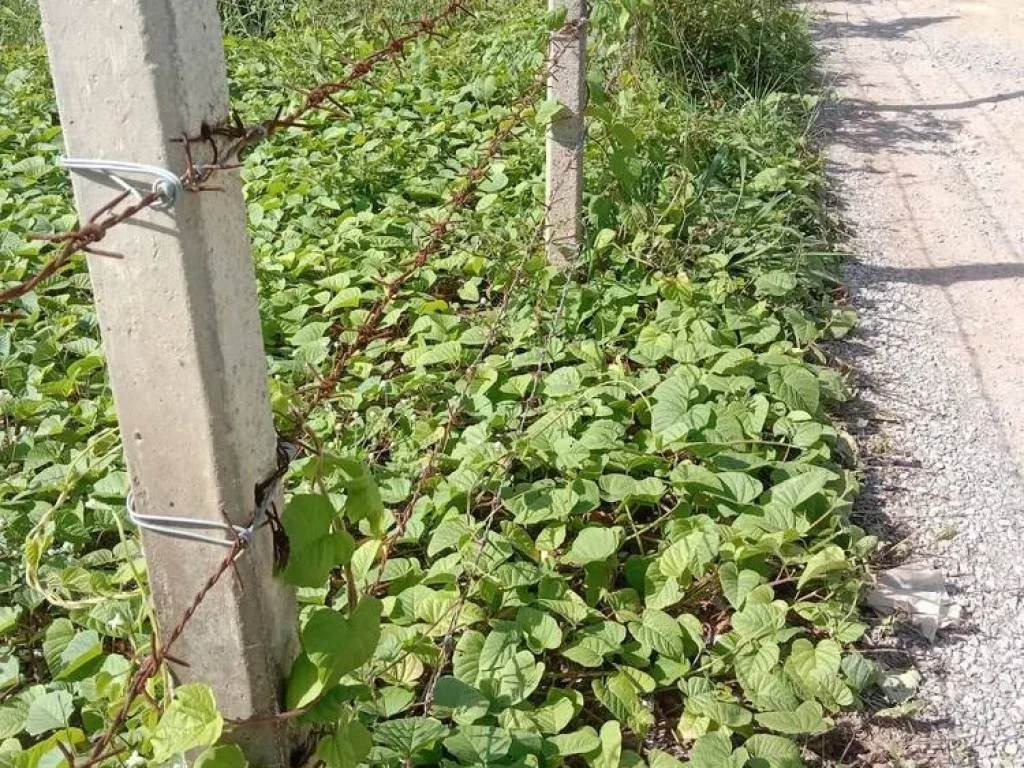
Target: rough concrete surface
[927,159]
[182,338]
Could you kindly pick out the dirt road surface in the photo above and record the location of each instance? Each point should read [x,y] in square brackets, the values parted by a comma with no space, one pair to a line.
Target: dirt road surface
[927,157]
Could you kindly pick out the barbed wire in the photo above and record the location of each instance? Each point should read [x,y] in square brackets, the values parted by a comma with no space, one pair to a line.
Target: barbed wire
[85,238]
[454,409]
[160,650]
[436,237]
[82,239]
[244,137]
[505,466]
[241,138]
[365,333]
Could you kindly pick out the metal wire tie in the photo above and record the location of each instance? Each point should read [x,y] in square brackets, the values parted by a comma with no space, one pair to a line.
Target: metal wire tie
[185,527]
[166,184]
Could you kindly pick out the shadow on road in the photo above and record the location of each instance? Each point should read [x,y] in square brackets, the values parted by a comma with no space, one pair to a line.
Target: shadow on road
[945,276]
[887,30]
[870,106]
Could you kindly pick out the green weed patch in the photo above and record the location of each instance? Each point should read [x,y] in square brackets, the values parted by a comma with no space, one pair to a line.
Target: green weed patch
[598,519]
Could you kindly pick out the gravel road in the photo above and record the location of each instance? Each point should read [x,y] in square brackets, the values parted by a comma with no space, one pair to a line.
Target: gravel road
[927,156]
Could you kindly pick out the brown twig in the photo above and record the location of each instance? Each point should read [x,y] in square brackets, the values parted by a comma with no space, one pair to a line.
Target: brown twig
[150,667]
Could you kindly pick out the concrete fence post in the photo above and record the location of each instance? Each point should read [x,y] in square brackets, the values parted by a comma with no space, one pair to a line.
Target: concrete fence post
[567,84]
[181,333]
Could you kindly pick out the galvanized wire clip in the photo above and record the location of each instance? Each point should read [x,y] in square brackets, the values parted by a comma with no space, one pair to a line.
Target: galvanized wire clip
[167,184]
[187,527]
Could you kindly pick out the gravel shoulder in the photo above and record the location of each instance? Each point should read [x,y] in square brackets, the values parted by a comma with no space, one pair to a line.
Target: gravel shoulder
[927,158]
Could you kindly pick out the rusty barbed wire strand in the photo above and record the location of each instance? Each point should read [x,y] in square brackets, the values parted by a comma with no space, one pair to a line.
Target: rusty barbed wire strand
[314,99]
[150,666]
[84,238]
[453,411]
[160,651]
[367,329]
[437,234]
[473,178]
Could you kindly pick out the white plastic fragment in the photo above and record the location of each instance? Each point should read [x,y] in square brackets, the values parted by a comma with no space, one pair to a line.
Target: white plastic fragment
[919,592]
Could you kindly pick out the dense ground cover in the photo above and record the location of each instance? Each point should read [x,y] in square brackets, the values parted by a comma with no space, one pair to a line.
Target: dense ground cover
[637,546]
